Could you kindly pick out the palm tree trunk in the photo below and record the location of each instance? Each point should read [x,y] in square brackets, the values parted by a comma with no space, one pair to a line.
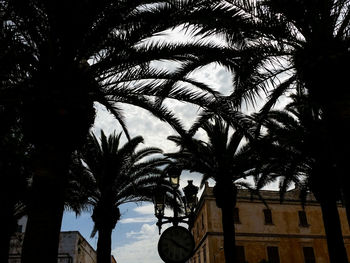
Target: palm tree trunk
[46,208]
[104,245]
[335,241]
[327,194]
[226,194]
[9,221]
[337,117]
[229,233]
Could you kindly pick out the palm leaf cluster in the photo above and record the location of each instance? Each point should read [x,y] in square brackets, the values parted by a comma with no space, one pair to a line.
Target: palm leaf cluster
[224,158]
[117,174]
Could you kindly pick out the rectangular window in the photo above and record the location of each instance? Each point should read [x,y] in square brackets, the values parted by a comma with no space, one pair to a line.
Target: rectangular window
[199,257]
[302,219]
[204,254]
[19,228]
[240,254]
[236,216]
[272,255]
[202,221]
[309,255]
[268,217]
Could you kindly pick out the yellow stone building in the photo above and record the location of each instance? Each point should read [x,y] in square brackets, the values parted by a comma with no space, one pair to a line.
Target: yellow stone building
[281,233]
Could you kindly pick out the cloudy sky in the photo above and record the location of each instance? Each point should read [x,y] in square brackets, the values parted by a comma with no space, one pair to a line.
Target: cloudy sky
[135,237]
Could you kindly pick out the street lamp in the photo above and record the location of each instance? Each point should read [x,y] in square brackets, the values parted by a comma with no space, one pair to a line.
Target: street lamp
[189,200]
[159,202]
[190,196]
[174,176]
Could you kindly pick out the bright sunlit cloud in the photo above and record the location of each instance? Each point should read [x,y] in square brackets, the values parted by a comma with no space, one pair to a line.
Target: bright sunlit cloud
[141,246]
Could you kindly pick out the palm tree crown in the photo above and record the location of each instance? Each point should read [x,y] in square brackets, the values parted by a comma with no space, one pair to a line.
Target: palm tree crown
[119,174]
[222,159]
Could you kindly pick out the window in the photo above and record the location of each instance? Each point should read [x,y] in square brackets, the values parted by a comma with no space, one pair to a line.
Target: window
[272,255]
[309,255]
[19,228]
[268,217]
[303,219]
[199,257]
[240,254]
[236,216]
[204,254]
[202,221]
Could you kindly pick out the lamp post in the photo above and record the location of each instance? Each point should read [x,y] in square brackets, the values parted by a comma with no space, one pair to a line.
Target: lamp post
[189,200]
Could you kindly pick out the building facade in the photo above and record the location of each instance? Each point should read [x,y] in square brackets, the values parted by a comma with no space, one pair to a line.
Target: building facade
[73,248]
[279,232]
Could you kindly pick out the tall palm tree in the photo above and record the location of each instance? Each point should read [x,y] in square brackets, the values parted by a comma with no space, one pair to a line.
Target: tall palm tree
[275,46]
[288,44]
[15,152]
[15,174]
[296,149]
[75,54]
[222,159]
[120,174]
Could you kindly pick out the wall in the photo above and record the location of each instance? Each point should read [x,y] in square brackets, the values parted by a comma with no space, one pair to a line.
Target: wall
[286,233]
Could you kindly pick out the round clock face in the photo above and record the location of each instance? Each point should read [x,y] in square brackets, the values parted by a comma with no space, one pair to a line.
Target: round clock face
[175,245]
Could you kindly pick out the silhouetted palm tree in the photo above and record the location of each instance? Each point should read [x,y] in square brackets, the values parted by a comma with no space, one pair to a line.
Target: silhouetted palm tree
[120,174]
[75,54]
[15,174]
[300,43]
[15,152]
[223,159]
[295,148]
[284,45]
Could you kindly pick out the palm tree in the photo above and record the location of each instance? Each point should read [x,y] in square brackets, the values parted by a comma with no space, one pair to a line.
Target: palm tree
[275,46]
[296,149]
[295,43]
[222,159]
[15,173]
[317,42]
[120,174]
[72,55]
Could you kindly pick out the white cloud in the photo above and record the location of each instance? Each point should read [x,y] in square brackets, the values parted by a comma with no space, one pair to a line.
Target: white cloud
[132,220]
[141,246]
[147,209]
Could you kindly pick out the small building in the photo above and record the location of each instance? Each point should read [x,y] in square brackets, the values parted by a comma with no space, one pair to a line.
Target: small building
[73,248]
[279,232]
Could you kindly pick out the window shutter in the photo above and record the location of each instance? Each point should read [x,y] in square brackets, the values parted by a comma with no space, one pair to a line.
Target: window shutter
[309,255]
[272,255]
[268,217]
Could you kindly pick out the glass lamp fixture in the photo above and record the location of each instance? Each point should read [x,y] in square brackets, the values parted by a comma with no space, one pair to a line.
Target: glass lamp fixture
[187,209]
[174,176]
[159,201]
[190,196]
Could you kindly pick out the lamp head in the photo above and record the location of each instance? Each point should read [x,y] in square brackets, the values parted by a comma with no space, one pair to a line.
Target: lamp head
[159,201]
[174,176]
[190,196]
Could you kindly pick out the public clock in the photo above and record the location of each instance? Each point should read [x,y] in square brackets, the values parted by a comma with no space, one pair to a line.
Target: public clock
[176,245]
